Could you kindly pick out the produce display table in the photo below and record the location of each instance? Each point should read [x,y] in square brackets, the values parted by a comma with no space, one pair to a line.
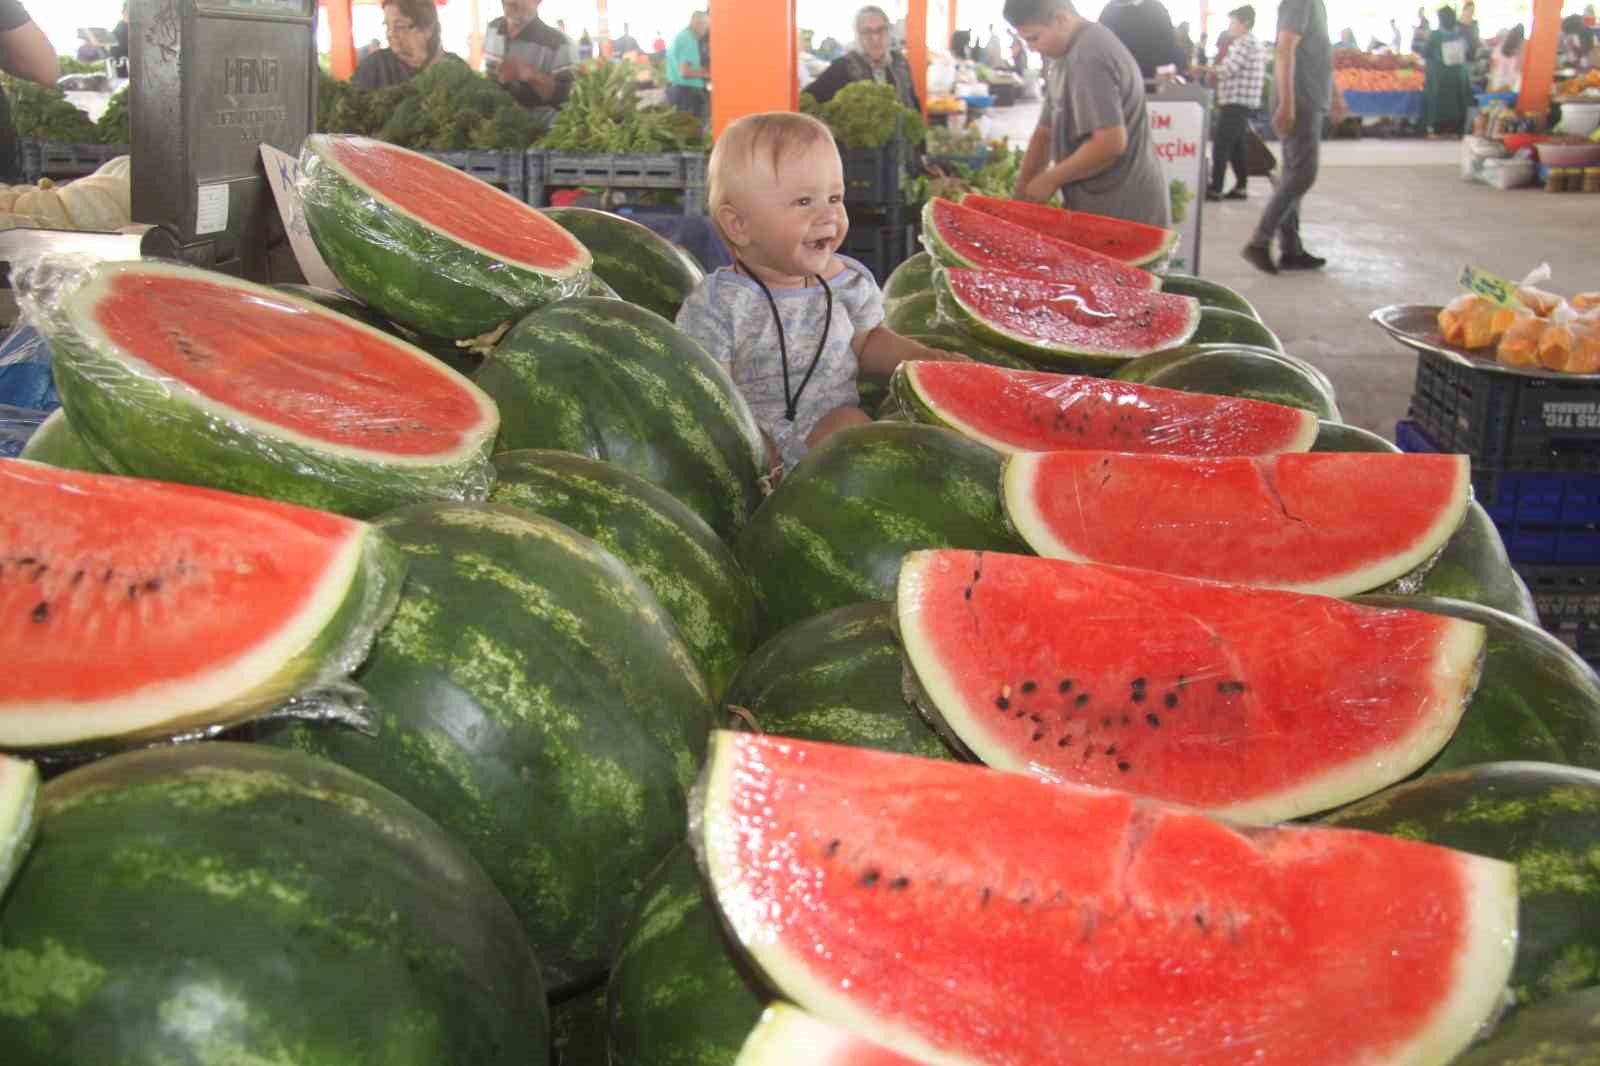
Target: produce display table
[1385,104]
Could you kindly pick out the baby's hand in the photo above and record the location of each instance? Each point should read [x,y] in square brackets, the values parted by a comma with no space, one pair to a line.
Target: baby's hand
[939,355]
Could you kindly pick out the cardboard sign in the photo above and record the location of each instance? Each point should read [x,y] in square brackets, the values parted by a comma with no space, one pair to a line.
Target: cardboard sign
[1177,133]
[1496,290]
[283,170]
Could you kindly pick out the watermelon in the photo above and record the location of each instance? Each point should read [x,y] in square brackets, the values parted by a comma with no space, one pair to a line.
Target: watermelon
[667,545]
[463,360]
[1056,669]
[680,994]
[1065,325]
[181,374]
[616,382]
[1331,523]
[946,337]
[188,608]
[1108,929]
[960,236]
[1560,1031]
[1542,817]
[913,276]
[788,1036]
[1537,699]
[578,1029]
[1339,437]
[428,246]
[1030,411]
[56,443]
[1209,293]
[1238,370]
[835,677]
[1220,325]
[1474,567]
[1134,243]
[19,815]
[227,903]
[534,697]
[835,529]
[634,261]
[918,313]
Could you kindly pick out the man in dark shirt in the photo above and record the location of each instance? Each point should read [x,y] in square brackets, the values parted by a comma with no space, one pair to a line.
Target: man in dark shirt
[533,60]
[1145,27]
[25,52]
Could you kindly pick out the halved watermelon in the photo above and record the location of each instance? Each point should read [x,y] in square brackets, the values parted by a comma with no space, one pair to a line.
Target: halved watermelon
[1177,689]
[1328,522]
[142,609]
[788,1036]
[1071,325]
[961,236]
[181,374]
[19,814]
[428,246]
[1033,411]
[962,916]
[1134,243]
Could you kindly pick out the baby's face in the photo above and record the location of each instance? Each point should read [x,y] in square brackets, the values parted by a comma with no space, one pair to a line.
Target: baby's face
[796,216]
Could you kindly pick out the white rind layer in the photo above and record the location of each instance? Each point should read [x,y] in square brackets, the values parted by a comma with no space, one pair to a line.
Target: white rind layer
[19,812]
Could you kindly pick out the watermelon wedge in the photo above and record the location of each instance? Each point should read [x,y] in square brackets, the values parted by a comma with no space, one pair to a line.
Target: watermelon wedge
[961,916]
[1329,522]
[19,814]
[428,246]
[960,236]
[1176,689]
[1134,243]
[181,374]
[788,1036]
[144,609]
[1032,411]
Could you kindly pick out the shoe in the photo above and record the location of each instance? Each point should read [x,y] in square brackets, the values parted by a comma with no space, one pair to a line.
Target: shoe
[1212,196]
[1302,260]
[1237,194]
[1260,257]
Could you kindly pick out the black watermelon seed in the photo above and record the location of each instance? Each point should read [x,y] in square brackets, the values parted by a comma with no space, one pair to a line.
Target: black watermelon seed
[1037,720]
[27,560]
[1171,700]
[41,612]
[1029,686]
[1064,742]
[1138,682]
[1001,702]
[1065,686]
[986,895]
[969,592]
[152,585]
[106,577]
[870,878]
[133,592]
[1199,919]
[1106,722]
[1038,736]
[1138,695]
[900,884]
[831,850]
[1083,697]
[1155,723]
[39,572]
[77,577]
[1021,714]
[1125,720]
[1124,767]
[1111,749]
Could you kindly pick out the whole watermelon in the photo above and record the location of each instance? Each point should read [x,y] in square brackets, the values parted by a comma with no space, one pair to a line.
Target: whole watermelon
[535,698]
[640,265]
[1475,567]
[218,903]
[1561,1031]
[578,1029]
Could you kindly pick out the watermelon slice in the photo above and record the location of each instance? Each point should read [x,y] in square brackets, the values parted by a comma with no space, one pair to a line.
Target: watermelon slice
[962,237]
[962,916]
[1178,689]
[186,375]
[1070,325]
[1330,523]
[19,814]
[1134,243]
[428,246]
[788,1036]
[145,609]
[1032,411]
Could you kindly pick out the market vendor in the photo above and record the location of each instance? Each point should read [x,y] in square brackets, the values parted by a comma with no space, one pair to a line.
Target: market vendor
[1447,84]
[872,59]
[1093,142]
[533,60]
[25,52]
[412,27]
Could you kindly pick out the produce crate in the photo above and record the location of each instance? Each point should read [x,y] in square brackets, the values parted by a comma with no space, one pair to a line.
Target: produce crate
[65,161]
[872,176]
[880,240]
[1508,421]
[685,171]
[506,171]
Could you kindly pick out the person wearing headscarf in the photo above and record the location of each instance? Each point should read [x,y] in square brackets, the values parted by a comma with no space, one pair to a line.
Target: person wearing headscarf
[1505,64]
[1447,86]
[412,28]
[872,59]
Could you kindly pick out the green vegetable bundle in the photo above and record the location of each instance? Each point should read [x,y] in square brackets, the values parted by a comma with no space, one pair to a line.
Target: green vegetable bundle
[867,114]
[603,115]
[43,113]
[447,107]
[113,126]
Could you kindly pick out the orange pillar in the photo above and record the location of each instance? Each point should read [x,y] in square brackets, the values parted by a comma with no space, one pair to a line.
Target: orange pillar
[342,49]
[952,29]
[753,59]
[602,26]
[1539,57]
[917,47]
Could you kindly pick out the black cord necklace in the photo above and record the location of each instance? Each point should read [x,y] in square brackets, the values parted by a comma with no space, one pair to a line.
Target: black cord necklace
[791,404]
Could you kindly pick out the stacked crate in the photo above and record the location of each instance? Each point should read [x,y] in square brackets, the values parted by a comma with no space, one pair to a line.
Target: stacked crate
[682,172]
[880,234]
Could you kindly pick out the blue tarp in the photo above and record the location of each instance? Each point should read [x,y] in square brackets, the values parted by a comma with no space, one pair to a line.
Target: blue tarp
[1385,105]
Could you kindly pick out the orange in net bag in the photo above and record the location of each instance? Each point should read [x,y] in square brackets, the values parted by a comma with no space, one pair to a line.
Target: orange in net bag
[1520,345]
[1473,322]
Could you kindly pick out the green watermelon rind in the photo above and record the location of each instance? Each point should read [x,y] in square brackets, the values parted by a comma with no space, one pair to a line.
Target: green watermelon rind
[1561,1031]
[1342,437]
[912,276]
[632,260]
[19,815]
[945,254]
[1300,384]
[1220,325]
[1209,293]
[134,418]
[948,338]
[409,270]
[55,443]
[1148,260]
[1474,566]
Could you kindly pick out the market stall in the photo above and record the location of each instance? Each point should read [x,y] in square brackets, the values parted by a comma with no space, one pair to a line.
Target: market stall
[1380,85]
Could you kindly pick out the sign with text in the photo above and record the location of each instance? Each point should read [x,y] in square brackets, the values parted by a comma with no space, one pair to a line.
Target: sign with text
[1177,134]
[1496,290]
[282,172]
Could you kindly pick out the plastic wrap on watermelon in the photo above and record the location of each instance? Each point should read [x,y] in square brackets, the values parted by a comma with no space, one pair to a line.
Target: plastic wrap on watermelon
[428,246]
[148,612]
[180,374]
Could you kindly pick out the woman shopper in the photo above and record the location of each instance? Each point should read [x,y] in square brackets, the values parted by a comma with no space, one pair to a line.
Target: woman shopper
[412,27]
[1241,77]
[872,59]
[1447,87]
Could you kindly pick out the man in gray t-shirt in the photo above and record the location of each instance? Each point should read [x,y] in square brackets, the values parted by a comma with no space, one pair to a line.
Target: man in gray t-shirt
[1093,140]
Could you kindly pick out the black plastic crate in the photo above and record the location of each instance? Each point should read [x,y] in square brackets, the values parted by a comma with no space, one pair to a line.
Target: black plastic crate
[45,160]
[880,240]
[1566,595]
[681,171]
[873,176]
[506,171]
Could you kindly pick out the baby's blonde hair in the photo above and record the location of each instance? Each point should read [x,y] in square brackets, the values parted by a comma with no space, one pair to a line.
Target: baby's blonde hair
[775,133]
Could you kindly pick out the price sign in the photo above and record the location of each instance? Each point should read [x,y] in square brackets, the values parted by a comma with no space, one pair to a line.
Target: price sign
[1495,290]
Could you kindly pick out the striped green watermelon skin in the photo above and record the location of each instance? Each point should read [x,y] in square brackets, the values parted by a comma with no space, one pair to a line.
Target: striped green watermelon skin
[616,382]
[1237,370]
[1338,437]
[917,313]
[837,678]
[1220,325]
[949,338]
[1209,293]
[1475,567]
[1542,817]
[680,992]
[227,903]
[639,264]
[410,272]
[19,814]
[533,697]
[667,545]
[57,444]
[909,278]
[1560,1031]
[578,1029]
[834,531]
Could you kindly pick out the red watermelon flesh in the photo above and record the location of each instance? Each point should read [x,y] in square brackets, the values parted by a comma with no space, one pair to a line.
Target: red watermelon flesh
[138,605]
[1130,242]
[458,204]
[1068,317]
[788,1036]
[1033,411]
[961,236]
[1328,522]
[290,364]
[959,915]
[1251,703]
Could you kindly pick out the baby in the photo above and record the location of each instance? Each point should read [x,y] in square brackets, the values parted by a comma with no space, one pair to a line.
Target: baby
[791,321]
